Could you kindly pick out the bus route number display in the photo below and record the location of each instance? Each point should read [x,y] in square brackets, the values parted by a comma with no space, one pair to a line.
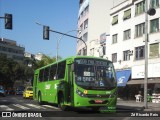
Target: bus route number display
[91,62]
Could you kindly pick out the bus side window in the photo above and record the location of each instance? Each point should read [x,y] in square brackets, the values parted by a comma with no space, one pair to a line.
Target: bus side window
[61,70]
[41,75]
[52,72]
[46,74]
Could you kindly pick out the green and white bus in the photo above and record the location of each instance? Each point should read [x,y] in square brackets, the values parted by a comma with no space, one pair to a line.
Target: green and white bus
[79,81]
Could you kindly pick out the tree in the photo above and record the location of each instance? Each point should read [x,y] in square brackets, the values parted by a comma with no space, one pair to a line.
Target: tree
[45,61]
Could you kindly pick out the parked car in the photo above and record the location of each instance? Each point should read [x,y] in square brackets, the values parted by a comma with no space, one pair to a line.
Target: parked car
[28,92]
[19,90]
[2,91]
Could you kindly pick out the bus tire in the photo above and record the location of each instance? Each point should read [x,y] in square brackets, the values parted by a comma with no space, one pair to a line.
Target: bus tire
[61,103]
[40,99]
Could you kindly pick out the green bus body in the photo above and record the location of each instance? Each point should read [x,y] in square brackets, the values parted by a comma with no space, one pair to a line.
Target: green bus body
[79,81]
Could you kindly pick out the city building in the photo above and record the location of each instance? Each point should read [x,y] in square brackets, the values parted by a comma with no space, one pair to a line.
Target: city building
[29,58]
[126,47]
[10,49]
[39,56]
[93,26]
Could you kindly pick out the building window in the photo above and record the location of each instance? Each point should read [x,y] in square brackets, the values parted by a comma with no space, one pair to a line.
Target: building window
[84,51]
[140,8]
[140,52]
[85,24]
[114,57]
[92,52]
[114,38]
[127,34]
[79,52]
[85,36]
[127,14]
[154,25]
[126,55]
[81,27]
[81,14]
[86,10]
[154,50]
[154,3]
[115,20]
[139,30]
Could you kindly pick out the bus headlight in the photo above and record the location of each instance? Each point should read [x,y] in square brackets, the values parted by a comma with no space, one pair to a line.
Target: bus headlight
[80,93]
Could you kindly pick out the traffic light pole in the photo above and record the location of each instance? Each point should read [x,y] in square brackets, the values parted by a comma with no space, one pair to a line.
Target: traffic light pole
[69,36]
[8,20]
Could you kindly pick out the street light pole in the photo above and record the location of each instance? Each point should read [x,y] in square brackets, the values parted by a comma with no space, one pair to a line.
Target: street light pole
[58,42]
[146,56]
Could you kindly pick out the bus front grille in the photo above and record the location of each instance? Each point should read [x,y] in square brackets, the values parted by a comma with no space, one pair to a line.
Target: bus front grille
[97,96]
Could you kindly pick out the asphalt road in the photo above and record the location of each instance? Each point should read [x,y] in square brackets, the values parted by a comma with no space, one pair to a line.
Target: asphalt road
[15,104]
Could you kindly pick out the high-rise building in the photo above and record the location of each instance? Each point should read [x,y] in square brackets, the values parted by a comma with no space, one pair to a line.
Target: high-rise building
[10,49]
[93,24]
[126,48]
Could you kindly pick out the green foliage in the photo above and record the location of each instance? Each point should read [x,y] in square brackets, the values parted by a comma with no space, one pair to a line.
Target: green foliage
[45,61]
[11,71]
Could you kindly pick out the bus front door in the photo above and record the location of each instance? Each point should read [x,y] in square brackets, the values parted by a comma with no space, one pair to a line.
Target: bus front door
[70,85]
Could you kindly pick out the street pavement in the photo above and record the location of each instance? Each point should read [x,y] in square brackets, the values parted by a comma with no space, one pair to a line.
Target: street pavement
[132,104]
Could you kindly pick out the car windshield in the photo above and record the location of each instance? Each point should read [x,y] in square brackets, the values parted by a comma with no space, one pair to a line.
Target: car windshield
[94,74]
[29,89]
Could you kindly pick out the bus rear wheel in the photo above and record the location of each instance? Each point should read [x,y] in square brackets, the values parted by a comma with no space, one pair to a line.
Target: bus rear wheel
[61,103]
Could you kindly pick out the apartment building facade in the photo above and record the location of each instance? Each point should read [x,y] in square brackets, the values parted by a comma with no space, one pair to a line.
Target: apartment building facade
[10,49]
[93,26]
[126,47]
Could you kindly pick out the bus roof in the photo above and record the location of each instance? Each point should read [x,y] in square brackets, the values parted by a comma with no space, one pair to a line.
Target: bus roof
[72,57]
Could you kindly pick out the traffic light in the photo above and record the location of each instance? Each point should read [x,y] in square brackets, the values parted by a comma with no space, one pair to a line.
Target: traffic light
[8,21]
[46,32]
[151,11]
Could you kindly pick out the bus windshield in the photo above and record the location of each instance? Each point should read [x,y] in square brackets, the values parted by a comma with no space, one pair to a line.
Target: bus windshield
[94,74]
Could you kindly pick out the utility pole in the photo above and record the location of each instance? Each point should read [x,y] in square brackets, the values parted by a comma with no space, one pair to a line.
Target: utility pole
[146,56]
[151,12]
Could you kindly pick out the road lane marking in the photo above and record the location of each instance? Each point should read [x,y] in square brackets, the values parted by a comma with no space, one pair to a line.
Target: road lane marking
[35,106]
[21,106]
[50,106]
[6,108]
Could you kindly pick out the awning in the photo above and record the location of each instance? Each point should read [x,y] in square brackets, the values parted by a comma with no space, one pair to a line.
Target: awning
[122,77]
[134,82]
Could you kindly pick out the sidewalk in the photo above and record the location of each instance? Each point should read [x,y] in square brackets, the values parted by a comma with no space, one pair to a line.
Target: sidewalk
[129,104]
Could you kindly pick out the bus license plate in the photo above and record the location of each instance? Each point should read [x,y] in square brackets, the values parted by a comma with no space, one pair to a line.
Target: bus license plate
[98,101]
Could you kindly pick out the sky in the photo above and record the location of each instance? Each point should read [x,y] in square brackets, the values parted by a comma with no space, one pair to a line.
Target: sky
[60,15]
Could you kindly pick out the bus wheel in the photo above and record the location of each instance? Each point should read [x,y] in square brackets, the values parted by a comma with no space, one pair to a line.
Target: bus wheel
[40,99]
[61,103]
